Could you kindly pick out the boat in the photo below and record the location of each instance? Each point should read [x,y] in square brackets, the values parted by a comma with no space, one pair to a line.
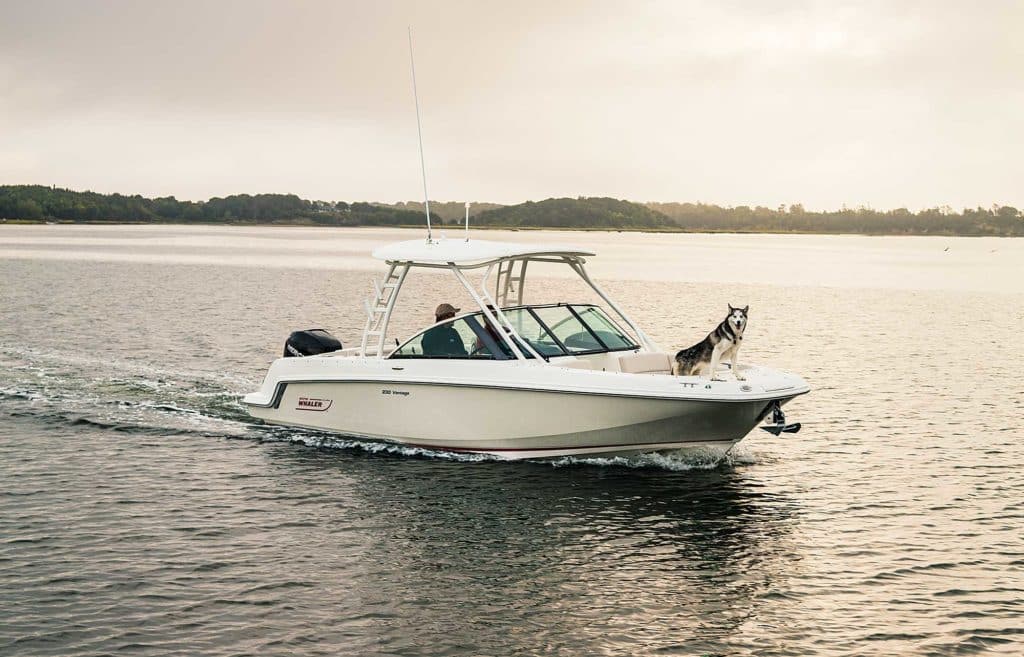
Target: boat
[541,381]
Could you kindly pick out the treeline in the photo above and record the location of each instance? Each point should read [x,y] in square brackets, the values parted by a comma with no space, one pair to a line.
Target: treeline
[451,211]
[582,212]
[39,203]
[998,220]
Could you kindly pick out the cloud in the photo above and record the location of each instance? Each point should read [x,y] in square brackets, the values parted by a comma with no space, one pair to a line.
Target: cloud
[755,103]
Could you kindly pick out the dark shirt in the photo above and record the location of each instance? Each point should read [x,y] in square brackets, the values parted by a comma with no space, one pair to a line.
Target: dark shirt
[443,340]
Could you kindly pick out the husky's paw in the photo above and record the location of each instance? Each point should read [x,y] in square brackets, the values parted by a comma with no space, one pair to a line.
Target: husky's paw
[717,378]
[740,377]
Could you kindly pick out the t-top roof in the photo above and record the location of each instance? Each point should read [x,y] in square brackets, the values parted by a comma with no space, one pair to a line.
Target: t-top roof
[472,252]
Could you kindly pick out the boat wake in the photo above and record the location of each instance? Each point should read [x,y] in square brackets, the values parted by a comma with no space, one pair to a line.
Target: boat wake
[679,461]
[78,390]
[371,447]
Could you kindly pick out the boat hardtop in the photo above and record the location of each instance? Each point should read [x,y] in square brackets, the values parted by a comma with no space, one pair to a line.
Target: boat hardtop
[469,253]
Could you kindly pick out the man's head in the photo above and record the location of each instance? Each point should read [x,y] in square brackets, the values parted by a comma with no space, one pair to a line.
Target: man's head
[445,311]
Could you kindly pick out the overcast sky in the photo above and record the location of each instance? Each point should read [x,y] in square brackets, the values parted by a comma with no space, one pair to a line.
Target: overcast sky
[884,104]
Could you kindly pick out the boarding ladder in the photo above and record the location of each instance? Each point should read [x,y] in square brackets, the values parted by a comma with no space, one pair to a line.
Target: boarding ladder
[378,311]
[509,282]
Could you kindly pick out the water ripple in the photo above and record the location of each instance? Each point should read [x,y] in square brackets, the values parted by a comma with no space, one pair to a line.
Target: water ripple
[142,510]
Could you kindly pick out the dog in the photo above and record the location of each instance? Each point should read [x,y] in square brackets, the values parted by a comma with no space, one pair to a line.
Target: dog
[723,343]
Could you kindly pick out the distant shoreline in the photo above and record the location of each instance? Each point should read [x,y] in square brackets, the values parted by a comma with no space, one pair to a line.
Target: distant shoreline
[472,226]
[42,205]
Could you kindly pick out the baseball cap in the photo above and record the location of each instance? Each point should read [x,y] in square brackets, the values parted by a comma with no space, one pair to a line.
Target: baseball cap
[446,309]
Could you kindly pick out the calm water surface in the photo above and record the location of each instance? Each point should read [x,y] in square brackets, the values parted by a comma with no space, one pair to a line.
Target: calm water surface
[141,512]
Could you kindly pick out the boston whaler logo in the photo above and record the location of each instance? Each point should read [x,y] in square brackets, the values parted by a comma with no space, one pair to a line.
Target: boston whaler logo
[311,404]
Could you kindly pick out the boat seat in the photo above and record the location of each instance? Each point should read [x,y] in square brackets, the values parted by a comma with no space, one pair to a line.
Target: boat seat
[575,363]
[646,363]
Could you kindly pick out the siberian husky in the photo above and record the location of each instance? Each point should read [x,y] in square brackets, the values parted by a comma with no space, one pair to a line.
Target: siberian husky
[724,342]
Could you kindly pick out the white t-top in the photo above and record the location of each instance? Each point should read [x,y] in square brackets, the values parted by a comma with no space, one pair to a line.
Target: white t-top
[473,252]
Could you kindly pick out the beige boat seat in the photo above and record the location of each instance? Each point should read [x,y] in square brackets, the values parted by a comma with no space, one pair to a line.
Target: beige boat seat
[646,363]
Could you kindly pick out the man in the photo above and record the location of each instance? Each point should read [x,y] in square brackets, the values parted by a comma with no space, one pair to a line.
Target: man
[443,340]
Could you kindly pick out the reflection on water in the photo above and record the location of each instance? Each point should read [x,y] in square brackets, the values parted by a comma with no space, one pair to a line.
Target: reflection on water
[559,548]
[141,510]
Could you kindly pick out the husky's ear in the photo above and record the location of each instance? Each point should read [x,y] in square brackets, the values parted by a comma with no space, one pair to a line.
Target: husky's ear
[731,308]
[745,309]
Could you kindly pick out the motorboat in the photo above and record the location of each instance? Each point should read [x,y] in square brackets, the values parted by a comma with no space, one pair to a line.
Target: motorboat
[513,380]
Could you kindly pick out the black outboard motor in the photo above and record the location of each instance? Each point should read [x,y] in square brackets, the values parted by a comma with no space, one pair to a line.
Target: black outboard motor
[310,343]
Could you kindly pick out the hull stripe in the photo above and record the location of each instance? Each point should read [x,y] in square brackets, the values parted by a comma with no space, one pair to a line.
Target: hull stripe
[779,393]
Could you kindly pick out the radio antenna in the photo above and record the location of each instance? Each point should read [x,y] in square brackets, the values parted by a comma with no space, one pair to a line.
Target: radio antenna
[419,131]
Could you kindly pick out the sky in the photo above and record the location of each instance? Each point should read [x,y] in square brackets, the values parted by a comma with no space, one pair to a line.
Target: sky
[879,104]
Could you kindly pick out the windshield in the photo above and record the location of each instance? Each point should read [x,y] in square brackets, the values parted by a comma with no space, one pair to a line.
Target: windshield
[551,330]
[458,338]
[604,329]
[533,332]
[566,325]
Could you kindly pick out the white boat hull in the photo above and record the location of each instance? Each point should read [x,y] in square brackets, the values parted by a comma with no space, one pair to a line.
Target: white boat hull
[516,411]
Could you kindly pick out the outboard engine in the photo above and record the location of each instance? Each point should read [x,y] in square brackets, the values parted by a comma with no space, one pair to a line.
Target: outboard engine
[310,343]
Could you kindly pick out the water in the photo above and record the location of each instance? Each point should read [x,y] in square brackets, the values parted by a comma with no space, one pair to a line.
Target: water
[142,512]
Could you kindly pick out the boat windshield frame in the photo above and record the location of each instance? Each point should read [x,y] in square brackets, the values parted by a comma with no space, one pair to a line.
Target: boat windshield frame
[498,351]
[510,280]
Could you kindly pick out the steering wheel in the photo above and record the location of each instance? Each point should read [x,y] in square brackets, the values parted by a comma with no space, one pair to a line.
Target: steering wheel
[581,340]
